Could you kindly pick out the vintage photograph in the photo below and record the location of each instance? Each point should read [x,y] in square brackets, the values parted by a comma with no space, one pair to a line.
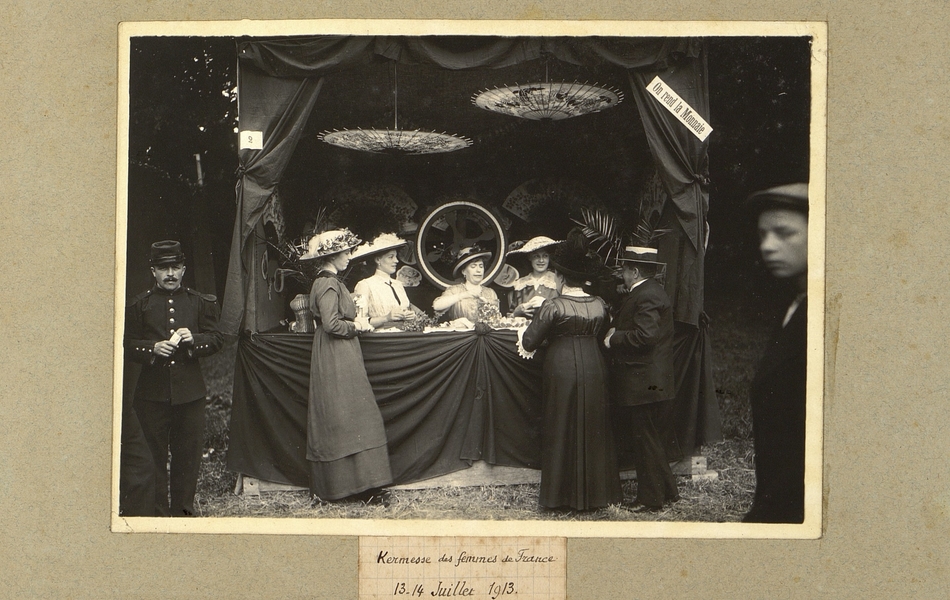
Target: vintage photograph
[448,276]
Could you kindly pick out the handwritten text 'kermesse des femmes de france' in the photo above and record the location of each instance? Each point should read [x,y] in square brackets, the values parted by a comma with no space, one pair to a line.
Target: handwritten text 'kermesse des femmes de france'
[522,556]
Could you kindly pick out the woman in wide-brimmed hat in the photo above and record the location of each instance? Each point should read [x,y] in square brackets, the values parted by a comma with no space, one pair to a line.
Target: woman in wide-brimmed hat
[530,291]
[387,304]
[578,459]
[346,441]
[463,299]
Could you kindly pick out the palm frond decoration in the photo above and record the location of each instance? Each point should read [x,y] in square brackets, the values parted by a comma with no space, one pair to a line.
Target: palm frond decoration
[652,201]
[603,233]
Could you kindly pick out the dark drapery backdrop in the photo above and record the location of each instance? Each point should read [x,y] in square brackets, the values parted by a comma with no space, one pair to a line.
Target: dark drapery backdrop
[279,80]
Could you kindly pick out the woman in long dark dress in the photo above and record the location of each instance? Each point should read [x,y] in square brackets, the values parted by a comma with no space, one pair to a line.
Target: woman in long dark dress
[578,459]
[346,441]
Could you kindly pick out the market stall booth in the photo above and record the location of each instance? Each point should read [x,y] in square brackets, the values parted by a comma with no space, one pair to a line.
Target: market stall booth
[452,397]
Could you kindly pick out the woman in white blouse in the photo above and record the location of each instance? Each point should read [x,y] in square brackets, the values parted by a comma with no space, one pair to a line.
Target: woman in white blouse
[386,301]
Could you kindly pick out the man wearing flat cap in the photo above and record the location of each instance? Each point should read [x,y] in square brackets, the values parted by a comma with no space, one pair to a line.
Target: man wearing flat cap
[167,328]
[777,394]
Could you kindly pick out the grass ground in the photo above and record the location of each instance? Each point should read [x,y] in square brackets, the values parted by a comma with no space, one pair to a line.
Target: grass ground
[738,337]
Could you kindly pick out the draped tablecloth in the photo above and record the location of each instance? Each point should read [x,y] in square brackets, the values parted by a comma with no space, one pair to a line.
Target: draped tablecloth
[447,399]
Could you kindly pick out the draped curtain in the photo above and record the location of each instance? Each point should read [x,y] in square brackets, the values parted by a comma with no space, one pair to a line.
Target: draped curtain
[280,79]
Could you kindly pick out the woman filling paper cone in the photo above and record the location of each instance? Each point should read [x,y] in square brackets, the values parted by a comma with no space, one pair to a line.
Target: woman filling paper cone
[463,299]
[346,442]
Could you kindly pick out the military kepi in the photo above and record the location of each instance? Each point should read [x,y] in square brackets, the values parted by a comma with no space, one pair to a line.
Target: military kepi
[166,252]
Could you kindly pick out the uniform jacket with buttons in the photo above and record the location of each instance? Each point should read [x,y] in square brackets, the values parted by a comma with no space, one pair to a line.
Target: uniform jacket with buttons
[151,317]
[641,350]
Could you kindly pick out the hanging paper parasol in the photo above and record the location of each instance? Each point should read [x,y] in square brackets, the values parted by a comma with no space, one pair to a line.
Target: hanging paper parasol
[548,101]
[395,140]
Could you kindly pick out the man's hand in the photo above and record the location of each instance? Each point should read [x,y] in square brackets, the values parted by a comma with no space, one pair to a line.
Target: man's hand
[186,337]
[610,332]
[164,348]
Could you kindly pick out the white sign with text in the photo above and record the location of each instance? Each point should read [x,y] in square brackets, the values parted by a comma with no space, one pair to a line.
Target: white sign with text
[679,109]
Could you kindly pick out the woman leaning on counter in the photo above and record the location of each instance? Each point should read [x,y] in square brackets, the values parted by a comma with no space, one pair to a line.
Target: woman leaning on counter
[578,458]
[346,441]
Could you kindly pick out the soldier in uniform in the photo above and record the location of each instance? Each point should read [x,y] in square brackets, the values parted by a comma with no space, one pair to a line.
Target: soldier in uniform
[167,329]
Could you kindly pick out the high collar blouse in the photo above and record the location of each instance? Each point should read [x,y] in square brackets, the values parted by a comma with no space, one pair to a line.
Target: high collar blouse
[378,290]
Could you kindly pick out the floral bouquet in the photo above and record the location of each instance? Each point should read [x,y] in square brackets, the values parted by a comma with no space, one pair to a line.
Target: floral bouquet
[420,321]
[488,313]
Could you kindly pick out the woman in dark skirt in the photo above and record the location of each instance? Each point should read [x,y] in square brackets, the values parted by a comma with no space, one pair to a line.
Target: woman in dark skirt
[346,441]
[578,459]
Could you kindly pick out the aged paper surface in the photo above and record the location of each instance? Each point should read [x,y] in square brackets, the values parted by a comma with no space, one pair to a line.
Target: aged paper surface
[885,496]
[809,529]
[469,567]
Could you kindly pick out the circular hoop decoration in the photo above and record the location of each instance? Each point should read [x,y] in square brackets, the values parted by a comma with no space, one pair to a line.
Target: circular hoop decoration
[453,226]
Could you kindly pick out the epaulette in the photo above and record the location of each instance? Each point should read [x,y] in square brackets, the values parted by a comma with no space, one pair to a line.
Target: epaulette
[208,297]
[140,297]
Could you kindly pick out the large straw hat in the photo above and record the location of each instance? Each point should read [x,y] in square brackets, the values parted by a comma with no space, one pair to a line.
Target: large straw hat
[330,242]
[381,243]
[535,243]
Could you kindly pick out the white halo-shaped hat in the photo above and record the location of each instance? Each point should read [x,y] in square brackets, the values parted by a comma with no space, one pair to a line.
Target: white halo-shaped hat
[381,243]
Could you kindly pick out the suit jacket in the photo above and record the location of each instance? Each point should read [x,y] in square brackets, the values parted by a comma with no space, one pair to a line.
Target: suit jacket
[778,425]
[152,316]
[641,349]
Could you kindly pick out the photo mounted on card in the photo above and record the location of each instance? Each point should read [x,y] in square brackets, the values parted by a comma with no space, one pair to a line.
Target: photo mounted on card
[520,278]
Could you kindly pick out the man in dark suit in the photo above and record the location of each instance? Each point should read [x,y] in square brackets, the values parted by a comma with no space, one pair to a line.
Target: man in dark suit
[778,390]
[641,374]
[167,329]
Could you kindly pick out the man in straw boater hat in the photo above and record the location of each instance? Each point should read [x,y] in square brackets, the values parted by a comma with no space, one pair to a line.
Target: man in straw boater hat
[777,394]
[640,350]
[167,328]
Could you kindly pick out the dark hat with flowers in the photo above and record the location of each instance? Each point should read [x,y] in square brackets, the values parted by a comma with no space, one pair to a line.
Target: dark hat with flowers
[468,255]
[574,259]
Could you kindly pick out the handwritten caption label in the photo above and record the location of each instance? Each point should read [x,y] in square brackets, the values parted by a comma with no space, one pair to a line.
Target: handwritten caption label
[679,109]
[474,568]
